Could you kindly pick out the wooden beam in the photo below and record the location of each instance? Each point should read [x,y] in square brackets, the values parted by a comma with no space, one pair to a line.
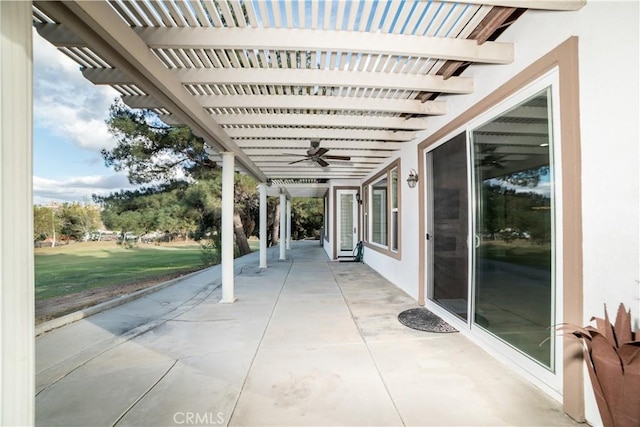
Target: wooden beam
[567,5]
[327,120]
[301,102]
[326,41]
[296,77]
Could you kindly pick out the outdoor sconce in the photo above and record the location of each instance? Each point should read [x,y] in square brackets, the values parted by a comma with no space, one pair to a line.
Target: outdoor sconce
[358,199]
[413,178]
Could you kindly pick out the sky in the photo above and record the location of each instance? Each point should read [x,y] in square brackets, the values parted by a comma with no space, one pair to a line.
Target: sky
[69,131]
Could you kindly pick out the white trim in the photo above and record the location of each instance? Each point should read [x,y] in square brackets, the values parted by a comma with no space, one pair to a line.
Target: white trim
[352,193]
[17,294]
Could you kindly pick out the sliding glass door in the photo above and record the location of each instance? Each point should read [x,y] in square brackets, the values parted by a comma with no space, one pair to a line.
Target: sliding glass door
[513,254]
[498,276]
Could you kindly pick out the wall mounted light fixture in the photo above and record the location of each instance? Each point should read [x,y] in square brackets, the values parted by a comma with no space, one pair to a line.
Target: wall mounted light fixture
[413,178]
[358,199]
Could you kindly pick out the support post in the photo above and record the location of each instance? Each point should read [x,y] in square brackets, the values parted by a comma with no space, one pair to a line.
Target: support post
[228,165]
[283,226]
[288,224]
[262,188]
[17,360]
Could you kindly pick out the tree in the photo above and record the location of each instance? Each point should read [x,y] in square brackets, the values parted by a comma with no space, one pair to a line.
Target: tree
[307,217]
[46,224]
[151,151]
[78,221]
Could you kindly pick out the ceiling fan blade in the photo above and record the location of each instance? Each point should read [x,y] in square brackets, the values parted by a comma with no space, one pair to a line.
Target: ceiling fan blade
[322,162]
[337,157]
[298,161]
[321,151]
[292,154]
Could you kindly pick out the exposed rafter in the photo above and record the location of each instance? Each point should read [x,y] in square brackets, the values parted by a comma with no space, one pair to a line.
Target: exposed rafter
[302,102]
[360,121]
[305,40]
[320,133]
[530,4]
[296,77]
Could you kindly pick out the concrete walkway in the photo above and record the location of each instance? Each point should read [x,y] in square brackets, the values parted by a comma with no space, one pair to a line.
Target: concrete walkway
[309,342]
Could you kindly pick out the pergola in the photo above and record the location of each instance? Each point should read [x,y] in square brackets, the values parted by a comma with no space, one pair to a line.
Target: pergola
[264,79]
[275,88]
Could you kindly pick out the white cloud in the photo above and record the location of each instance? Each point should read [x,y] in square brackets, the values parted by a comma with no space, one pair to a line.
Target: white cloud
[66,103]
[77,189]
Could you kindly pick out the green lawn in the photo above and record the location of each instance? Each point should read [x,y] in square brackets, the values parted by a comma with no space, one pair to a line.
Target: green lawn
[80,266]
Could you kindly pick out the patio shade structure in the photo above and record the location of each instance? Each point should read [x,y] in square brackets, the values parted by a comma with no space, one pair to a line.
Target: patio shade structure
[263,80]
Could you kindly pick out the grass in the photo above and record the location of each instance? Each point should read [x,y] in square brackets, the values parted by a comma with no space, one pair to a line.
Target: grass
[81,266]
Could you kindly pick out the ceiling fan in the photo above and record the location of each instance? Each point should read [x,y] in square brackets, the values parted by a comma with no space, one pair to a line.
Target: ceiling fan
[318,155]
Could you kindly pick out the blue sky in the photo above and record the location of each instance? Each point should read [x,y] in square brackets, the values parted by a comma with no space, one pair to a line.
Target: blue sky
[69,130]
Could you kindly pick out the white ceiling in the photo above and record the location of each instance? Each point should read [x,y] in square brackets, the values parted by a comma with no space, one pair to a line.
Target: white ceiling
[262,79]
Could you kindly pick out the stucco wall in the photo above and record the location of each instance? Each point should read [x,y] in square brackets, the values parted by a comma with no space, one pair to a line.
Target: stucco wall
[609,108]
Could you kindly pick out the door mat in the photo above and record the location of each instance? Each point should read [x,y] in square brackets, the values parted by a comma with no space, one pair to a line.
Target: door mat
[424,320]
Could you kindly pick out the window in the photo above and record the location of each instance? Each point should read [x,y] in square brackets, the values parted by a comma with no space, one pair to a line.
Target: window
[381,211]
[394,209]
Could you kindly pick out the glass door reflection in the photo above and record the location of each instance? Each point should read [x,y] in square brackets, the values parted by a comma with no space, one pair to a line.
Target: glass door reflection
[513,254]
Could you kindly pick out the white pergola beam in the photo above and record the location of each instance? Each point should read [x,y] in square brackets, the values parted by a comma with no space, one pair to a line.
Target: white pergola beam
[337,152]
[275,159]
[320,133]
[302,102]
[567,5]
[319,174]
[305,40]
[360,121]
[304,144]
[296,77]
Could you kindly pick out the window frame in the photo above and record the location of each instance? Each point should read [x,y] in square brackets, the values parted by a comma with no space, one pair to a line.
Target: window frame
[391,235]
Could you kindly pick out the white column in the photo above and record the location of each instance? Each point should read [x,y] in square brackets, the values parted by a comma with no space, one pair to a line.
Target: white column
[283,226]
[288,224]
[17,360]
[227,227]
[262,188]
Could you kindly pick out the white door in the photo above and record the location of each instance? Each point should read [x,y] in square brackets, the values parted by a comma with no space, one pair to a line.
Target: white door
[346,222]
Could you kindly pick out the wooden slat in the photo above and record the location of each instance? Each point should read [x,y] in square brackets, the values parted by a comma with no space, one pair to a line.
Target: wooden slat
[186,12]
[314,14]
[238,13]
[407,6]
[326,24]
[364,17]
[176,15]
[288,9]
[340,13]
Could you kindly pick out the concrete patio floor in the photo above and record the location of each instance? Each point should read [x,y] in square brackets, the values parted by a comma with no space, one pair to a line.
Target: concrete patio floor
[309,342]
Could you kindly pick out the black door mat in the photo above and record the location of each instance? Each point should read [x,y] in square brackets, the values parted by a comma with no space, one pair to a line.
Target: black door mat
[424,320]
